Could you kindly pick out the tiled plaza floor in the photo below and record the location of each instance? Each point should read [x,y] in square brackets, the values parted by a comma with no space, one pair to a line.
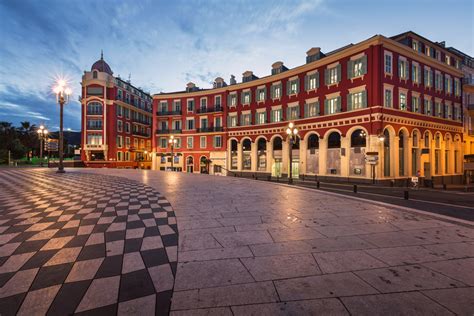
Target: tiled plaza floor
[255,248]
[85,244]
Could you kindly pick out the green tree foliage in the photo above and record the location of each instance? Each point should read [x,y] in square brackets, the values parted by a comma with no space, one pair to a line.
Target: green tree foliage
[19,141]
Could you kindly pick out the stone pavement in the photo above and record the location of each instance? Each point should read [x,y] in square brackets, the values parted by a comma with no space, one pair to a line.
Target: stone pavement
[85,244]
[249,247]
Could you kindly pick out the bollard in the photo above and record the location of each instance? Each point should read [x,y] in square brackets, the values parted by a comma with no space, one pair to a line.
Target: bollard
[269,178]
[302,177]
[355,188]
[317,184]
[405,195]
[444,187]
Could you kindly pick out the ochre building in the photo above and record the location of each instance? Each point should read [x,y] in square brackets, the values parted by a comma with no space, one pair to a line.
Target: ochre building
[384,109]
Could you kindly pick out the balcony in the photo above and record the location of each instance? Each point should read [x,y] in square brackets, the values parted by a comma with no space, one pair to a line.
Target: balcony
[169,131]
[94,128]
[210,129]
[139,133]
[469,81]
[136,120]
[217,108]
[164,113]
[94,112]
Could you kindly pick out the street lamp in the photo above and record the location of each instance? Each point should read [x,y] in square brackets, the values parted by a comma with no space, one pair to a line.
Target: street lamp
[146,155]
[62,92]
[42,133]
[292,132]
[172,142]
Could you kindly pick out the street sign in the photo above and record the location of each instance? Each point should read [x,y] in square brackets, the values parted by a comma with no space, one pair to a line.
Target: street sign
[52,145]
[372,157]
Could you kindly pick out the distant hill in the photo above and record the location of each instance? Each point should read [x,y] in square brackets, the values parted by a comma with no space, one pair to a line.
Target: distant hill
[71,138]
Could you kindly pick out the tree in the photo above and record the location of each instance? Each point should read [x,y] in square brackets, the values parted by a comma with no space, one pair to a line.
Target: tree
[9,142]
[28,136]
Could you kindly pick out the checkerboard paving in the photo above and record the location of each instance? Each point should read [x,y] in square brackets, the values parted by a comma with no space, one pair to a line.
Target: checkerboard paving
[85,244]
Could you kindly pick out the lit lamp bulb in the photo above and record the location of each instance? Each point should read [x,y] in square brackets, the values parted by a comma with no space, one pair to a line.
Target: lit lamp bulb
[295,131]
[288,131]
[291,125]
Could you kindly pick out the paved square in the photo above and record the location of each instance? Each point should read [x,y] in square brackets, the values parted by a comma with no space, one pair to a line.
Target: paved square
[79,243]
[106,241]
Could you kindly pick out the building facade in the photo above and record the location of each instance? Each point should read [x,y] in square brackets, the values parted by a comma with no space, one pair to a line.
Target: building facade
[116,120]
[392,103]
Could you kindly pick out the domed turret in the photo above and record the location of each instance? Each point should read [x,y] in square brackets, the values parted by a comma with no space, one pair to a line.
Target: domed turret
[101,65]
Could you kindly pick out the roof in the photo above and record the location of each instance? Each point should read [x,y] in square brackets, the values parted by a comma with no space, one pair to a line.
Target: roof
[424,38]
[101,65]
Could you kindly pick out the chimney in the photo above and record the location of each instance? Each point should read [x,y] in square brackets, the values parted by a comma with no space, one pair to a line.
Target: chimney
[314,54]
[232,80]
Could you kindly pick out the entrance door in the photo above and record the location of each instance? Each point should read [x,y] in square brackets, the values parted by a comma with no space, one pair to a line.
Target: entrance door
[189,169]
[276,168]
[295,169]
[427,170]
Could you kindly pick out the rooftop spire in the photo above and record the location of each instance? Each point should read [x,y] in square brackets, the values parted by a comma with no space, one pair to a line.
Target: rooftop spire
[101,54]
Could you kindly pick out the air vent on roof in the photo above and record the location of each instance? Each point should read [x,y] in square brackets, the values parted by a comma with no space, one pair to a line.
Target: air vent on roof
[232,80]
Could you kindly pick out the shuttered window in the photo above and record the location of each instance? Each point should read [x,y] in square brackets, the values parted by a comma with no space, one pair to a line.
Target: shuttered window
[311,109]
[332,106]
[357,68]
[276,116]
[292,86]
[311,82]
[261,94]
[332,75]
[356,100]
[293,113]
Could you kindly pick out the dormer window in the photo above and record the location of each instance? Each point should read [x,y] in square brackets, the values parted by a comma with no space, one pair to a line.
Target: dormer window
[414,45]
[94,74]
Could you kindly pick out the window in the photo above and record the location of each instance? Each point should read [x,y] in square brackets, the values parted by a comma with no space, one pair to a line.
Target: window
[356,68]
[438,109]
[217,101]
[189,142]
[246,97]
[292,86]
[438,55]
[293,112]
[203,103]
[177,106]
[135,143]
[217,141]
[119,111]
[232,121]
[94,139]
[233,99]
[94,75]
[94,124]
[448,86]
[457,87]
[428,77]
[119,126]
[312,81]
[356,100]
[415,104]
[403,68]
[427,107]
[218,121]
[246,119]
[178,142]
[415,45]
[163,142]
[403,101]
[332,75]
[276,116]
[190,105]
[415,73]
[388,63]
[260,119]
[163,106]
[332,106]
[203,123]
[127,127]
[190,123]
[202,142]
[438,81]
[177,125]
[261,94]
[311,109]
[276,91]
[119,155]
[448,60]
[388,98]
[457,113]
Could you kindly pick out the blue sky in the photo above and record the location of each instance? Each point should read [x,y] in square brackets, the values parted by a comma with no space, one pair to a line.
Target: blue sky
[165,44]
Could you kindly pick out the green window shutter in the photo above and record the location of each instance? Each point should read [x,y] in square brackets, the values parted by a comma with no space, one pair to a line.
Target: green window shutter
[426,77]
[298,85]
[228,121]
[318,110]
[338,72]
[350,69]
[339,104]
[305,110]
[272,116]
[413,72]
[399,68]
[306,83]
[349,102]
[326,76]
[298,112]
[228,100]
[272,91]
[250,96]
[419,74]
[364,99]
[264,93]
[288,111]
[288,87]
[364,64]
[326,107]
[317,79]
[242,94]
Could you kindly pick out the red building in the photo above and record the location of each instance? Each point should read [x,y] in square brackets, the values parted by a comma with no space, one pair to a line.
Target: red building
[116,120]
[393,102]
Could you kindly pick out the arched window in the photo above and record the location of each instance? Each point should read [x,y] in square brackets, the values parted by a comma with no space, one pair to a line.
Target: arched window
[262,144]
[313,141]
[277,143]
[262,156]
[233,145]
[189,160]
[386,153]
[401,153]
[233,154]
[94,74]
[334,140]
[246,154]
[246,145]
[415,139]
[358,138]
[427,140]
[94,108]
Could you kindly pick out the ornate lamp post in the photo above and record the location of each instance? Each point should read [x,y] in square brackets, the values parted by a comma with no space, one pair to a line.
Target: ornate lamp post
[62,97]
[172,142]
[292,132]
[42,133]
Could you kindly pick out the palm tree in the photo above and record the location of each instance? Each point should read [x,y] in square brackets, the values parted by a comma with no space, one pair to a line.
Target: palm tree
[28,136]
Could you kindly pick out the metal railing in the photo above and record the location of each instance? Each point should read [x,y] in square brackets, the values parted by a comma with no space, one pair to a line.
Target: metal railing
[217,108]
[164,113]
[209,129]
